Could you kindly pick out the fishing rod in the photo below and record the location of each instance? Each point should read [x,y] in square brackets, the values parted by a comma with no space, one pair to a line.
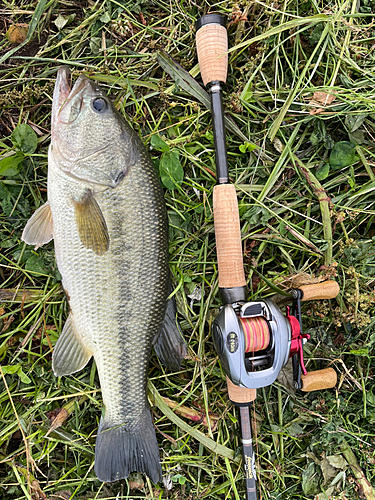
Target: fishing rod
[212,49]
[254,340]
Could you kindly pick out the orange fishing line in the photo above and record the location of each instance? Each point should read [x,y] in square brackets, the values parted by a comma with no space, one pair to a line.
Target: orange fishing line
[257,333]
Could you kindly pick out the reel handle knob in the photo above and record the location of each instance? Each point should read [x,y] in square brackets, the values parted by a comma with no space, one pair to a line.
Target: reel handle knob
[212,48]
[318,380]
[320,291]
[240,395]
[228,237]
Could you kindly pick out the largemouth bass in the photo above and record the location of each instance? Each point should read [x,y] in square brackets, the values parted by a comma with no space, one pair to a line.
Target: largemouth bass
[107,216]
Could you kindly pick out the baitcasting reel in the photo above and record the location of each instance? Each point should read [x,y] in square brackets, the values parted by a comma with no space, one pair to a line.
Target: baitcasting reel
[254,340]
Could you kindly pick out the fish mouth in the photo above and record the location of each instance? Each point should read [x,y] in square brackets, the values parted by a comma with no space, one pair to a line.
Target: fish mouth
[67,101]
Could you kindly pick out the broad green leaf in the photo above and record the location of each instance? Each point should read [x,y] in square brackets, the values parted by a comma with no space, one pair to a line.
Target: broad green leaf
[342,155]
[158,143]
[95,44]
[328,470]
[24,378]
[105,18]
[353,122]
[322,172]
[24,138]
[358,136]
[179,478]
[294,429]
[318,133]
[62,21]
[257,215]
[7,205]
[310,480]
[10,370]
[11,165]
[247,146]
[36,264]
[316,34]
[247,93]
[8,243]
[171,171]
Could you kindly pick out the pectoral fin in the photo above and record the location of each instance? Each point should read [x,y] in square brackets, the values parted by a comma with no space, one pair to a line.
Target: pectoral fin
[69,355]
[39,228]
[92,228]
[170,345]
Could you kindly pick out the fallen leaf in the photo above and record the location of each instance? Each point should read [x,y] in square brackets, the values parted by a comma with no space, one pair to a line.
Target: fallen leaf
[320,99]
[37,491]
[316,111]
[323,98]
[285,377]
[329,472]
[57,418]
[302,278]
[136,482]
[337,461]
[326,494]
[310,480]
[192,414]
[17,33]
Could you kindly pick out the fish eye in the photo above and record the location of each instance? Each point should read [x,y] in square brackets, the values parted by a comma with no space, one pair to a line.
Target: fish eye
[99,104]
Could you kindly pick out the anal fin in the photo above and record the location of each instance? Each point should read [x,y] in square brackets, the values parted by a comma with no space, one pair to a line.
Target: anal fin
[39,228]
[69,355]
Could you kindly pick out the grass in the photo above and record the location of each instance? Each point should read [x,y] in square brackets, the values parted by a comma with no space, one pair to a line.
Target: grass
[306,201]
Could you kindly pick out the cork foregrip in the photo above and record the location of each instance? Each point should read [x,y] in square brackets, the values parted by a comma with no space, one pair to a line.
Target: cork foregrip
[228,237]
[239,394]
[325,290]
[212,50]
[318,380]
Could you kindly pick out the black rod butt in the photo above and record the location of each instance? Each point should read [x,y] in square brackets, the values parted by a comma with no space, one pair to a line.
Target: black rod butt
[210,19]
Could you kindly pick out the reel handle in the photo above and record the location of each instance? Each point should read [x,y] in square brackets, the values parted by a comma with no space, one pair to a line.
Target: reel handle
[228,237]
[319,291]
[212,48]
[240,395]
[319,380]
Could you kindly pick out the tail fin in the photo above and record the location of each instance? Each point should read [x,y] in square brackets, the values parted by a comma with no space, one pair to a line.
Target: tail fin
[121,449]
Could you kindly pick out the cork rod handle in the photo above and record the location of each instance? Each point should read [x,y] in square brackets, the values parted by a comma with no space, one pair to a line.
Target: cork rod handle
[319,291]
[212,49]
[240,395]
[318,380]
[228,237]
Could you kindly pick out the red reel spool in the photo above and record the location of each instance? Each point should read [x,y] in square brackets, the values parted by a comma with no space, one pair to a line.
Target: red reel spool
[257,333]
